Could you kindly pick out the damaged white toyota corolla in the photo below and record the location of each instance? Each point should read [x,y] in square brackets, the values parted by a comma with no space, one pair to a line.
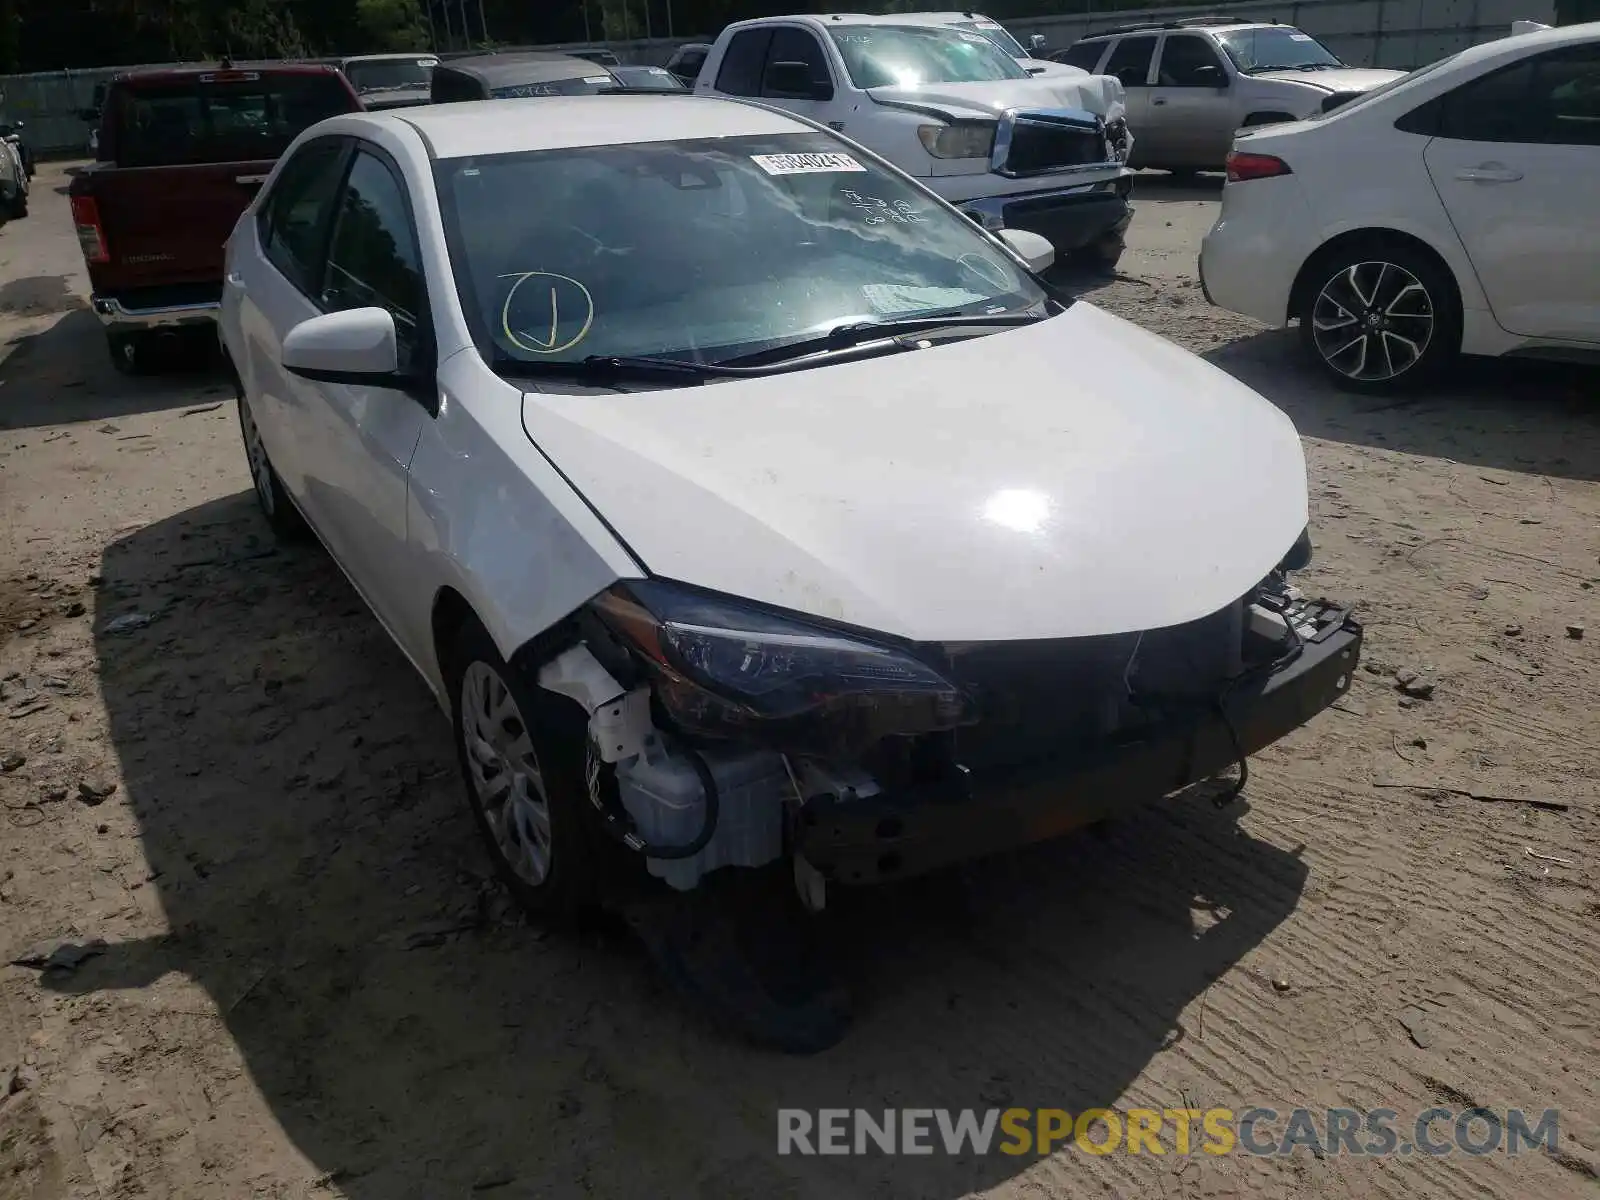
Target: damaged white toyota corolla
[747,506]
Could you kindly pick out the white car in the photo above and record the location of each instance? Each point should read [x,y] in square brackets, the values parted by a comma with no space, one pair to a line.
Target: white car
[693,494]
[1452,211]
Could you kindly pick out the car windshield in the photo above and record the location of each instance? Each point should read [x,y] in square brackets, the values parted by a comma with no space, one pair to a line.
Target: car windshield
[653,79]
[390,75]
[1275,48]
[996,34]
[704,250]
[909,56]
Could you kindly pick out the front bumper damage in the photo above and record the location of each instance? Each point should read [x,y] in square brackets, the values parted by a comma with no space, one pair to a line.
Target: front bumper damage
[863,840]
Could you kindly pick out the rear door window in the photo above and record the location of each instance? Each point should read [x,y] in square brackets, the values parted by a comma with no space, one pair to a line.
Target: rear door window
[1130,61]
[234,116]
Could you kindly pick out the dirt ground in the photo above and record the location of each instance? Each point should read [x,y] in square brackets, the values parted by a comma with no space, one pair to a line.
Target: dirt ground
[216,765]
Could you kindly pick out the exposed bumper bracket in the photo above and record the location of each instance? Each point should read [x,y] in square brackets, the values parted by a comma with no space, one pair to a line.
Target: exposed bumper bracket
[895,835]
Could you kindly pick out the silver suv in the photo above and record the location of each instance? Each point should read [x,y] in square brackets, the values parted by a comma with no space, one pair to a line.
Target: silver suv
[1191,84]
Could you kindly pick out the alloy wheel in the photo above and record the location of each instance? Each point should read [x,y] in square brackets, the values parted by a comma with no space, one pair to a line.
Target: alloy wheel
[260,465]
[504,773]
[1373,321]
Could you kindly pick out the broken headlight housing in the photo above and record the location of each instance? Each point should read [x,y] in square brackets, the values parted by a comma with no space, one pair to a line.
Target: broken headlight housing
[727,669]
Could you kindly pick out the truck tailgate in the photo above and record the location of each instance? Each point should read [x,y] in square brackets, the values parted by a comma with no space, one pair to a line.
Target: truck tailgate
[168,224]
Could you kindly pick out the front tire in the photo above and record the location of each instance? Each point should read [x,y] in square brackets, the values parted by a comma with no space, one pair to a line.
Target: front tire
[522,754]
[1380,317]
[271,498]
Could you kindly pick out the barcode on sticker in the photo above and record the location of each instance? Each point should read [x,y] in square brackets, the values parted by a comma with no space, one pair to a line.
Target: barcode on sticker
[804,164]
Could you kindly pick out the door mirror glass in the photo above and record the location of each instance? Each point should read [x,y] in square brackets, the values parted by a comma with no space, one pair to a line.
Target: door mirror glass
[1031,248]
[356,346]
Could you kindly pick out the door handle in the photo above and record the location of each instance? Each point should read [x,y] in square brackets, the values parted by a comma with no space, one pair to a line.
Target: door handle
[235,279]
[1159,100]
[1488,173]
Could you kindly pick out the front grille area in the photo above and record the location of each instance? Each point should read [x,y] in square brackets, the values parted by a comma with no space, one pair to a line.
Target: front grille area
[1047,142]
[1036,700]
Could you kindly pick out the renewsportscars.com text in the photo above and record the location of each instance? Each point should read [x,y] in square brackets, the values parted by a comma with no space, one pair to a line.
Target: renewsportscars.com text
[1360,1133]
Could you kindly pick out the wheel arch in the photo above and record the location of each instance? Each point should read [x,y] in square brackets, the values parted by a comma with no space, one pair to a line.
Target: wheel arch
[1306,278]
[452,612]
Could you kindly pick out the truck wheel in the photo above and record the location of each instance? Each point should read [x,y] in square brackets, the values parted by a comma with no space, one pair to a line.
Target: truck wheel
[19,206]
[130,352]
[1102,254]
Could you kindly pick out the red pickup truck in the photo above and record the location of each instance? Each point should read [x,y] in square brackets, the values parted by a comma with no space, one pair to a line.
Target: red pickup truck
[182,153]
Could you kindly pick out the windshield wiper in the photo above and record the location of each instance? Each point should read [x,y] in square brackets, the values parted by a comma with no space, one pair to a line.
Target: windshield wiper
[605,369]
[853,333]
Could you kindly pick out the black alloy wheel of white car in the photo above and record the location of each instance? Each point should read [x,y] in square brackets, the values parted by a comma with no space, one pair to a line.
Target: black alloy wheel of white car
[279,510]
[522,753]
[1381,317]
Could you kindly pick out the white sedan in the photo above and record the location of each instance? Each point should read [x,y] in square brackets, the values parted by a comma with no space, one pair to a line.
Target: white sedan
[743,503]
[1452,211]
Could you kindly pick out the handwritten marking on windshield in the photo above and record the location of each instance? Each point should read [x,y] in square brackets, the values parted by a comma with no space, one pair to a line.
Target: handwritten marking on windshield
[534,343]
[879,211]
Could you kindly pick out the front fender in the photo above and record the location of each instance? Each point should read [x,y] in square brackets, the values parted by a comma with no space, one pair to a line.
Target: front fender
[490,517]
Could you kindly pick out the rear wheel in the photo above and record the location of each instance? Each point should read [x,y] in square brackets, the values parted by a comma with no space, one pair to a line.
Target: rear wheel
[279,510]
[130,352]
[1380,316]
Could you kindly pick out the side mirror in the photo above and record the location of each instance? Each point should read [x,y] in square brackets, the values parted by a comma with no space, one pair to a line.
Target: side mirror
[1031,248]
[792,81]
[1036,43]
[1210,76]
[357,346]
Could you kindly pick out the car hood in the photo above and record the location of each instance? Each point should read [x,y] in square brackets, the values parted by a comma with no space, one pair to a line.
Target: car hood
[1072,478]
[1342,79]
[1041,67]
[1098,94]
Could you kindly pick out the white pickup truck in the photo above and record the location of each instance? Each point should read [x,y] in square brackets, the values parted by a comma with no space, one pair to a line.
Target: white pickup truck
[948,106]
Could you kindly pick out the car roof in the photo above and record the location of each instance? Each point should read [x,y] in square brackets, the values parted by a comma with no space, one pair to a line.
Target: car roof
[412,57]
[905,19]
[1518,43]
[530,66]
[1182,27]
[483,127]
[179,74]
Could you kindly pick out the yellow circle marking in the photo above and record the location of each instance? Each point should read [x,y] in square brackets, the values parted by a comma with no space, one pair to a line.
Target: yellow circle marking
[528,341]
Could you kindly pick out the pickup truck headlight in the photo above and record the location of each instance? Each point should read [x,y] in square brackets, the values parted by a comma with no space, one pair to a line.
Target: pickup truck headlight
[961,139]
[723,668]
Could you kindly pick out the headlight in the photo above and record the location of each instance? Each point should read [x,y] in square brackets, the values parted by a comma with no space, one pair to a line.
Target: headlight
[726,669]
[963,139]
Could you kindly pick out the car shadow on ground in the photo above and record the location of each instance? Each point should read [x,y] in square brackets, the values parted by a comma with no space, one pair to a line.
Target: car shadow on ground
[1506,414]
[1164,185]
[297,799]
[61,372]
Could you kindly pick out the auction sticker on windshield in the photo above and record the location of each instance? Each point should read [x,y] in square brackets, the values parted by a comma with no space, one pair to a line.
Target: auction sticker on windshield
[805,164]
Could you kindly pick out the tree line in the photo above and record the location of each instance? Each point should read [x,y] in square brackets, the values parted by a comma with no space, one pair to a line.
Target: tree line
[48,35]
